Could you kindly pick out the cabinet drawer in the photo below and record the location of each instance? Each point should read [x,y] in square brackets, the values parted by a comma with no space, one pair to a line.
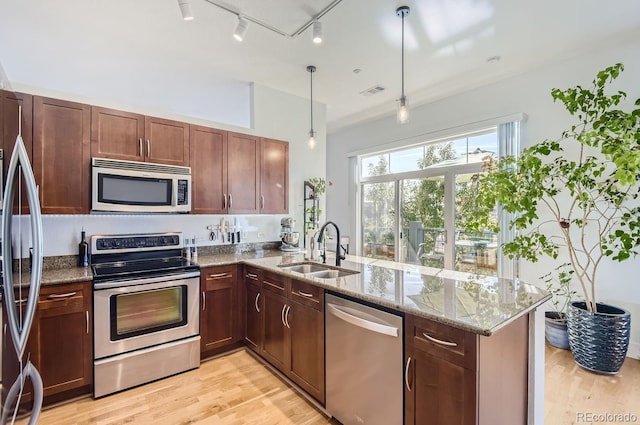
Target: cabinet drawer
[275,283]
[442,341]
[214,276]
[253,274]
[307,294]
[56,296]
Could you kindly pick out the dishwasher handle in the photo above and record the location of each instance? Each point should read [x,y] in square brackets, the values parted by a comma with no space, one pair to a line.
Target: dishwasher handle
[362,323]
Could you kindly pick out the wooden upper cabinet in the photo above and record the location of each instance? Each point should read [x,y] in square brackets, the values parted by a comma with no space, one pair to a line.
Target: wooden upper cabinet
[9,111]
[243,173]
[134,137]
[116,134]
[274,177]
[208,148]
[61,155]
[166,141]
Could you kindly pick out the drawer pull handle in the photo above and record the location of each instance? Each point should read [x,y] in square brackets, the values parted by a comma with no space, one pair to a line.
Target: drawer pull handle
[256,302]
[406,374]
[439,341]
[218,275]
[252,276]
[305,294]
[61,296]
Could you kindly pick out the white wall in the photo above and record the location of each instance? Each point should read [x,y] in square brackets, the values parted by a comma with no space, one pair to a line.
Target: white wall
[529,94]
[274,114]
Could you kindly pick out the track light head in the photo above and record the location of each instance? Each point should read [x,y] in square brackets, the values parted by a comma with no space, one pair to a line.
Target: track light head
[241,29]
[185,9]
[317,32]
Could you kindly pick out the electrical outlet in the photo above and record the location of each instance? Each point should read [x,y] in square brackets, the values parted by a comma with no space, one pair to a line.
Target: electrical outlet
[245,235]
[260,235]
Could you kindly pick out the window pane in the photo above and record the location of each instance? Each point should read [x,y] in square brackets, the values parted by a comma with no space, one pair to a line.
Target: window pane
[405,160]
[378,216]
[376,165]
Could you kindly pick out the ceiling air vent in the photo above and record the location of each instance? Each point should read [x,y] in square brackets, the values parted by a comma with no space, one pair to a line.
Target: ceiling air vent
[372,90]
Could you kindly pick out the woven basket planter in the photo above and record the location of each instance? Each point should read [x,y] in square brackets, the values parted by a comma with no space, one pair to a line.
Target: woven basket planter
[599,341]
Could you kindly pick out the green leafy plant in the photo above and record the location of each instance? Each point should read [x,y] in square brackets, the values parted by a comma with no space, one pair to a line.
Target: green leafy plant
[584,186]
[559,286]
[313,212]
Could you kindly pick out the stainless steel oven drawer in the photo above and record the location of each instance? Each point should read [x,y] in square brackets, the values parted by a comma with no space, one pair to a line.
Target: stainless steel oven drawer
[139,367]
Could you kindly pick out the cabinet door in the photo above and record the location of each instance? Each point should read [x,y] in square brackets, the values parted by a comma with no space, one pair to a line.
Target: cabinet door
[117,134]
[61,155]
[219,316]
[274,177]
[307,348]
[62,328]
[243,173]
[166,141]
[9,111]
[208,170]
[438,392]
[254,304]
[276,345]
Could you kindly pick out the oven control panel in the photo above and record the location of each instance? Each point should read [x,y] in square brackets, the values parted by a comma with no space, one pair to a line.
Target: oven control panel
[113,243]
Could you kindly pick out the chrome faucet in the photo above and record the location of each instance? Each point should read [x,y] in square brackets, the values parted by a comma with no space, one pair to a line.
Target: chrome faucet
[339,255]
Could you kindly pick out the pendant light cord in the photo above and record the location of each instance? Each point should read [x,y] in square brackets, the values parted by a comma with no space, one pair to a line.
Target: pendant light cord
[311,103]
[403,15]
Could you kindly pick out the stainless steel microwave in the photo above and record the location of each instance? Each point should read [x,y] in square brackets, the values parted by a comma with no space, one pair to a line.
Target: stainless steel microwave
[139,187]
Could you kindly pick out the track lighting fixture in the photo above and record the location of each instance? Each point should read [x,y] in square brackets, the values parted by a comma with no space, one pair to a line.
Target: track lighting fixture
[185,9]
[241,29]
[403,106]
[317,32]
[312,139]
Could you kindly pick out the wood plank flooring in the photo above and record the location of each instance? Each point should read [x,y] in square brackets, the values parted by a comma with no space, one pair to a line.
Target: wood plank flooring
[237,389]
[571,392]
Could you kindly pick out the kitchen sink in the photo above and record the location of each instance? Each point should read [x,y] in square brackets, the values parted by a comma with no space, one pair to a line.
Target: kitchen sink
[304,268]
[320,271]
[332,273]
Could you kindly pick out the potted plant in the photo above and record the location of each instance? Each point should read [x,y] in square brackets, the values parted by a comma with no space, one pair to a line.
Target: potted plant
[576,200]
[555,321]
[317,186]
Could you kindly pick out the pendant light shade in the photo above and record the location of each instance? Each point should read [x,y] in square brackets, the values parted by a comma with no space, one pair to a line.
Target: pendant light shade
[312,139]
[185,9]
[317,32]
[403,106]
[241,29]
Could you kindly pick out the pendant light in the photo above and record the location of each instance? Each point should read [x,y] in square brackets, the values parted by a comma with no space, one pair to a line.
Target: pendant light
[403,106]
[312,140]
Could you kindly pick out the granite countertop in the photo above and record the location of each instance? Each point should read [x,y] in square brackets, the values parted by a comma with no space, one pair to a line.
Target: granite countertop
[476,303]
[471,302]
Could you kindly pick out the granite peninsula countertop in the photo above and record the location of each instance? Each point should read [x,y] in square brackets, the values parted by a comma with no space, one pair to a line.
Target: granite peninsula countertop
[475,303]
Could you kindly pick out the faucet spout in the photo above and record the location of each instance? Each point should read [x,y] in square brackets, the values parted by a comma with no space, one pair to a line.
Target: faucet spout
[339,255]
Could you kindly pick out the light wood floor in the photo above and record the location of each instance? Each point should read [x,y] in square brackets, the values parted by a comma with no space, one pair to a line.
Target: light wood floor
[571,390]
[237,389]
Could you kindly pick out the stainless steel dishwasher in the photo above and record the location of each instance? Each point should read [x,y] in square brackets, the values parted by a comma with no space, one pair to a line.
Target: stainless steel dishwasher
[363,363]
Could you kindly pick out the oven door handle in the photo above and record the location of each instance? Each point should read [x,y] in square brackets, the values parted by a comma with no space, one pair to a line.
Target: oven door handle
[144,281]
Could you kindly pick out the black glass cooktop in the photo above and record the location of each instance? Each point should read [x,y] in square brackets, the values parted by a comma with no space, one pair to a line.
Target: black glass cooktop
[135,268]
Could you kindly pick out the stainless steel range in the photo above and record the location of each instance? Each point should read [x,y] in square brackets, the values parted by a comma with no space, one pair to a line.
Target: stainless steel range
[146,317]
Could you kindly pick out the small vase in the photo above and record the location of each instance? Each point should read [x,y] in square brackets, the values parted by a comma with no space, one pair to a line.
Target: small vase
[599,341]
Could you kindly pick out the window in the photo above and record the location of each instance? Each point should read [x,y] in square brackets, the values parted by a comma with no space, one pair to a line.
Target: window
[414,202]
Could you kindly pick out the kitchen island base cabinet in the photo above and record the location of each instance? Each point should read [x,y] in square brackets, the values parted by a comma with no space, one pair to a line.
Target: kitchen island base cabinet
[220,326]
[285,326]
[461,378]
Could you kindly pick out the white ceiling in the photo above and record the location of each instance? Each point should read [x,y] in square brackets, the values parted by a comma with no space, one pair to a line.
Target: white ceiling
[135,49]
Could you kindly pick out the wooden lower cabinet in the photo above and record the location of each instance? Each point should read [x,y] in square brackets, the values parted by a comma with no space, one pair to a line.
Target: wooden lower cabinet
[220,325]
[254,307]
[60,343]
[276,341]
[285,326]
[307,348]
[460,378]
